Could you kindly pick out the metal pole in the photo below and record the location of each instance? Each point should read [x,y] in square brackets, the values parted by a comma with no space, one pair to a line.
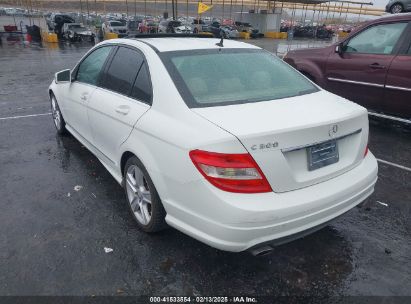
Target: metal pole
[30,8]
[155,8]
[176,3]
[127,8]
[305,14]
[346,14]
[88,12]
[320,13]
[81,11]
[222,19]
[302,15]
[231,9]
[328,11]
[359,15]
[242,6]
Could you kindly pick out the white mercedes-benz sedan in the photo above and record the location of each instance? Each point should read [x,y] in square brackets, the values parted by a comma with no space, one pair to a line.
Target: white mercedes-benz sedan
[226,143]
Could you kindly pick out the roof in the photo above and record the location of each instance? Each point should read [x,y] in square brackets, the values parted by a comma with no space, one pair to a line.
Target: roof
[384,18]
[166,44]
[395,17]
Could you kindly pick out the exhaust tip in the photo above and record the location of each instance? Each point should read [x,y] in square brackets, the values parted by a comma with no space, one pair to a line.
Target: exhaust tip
[261,251]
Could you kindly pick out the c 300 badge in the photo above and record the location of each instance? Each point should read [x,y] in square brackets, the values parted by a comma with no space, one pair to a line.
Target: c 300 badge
[269,145]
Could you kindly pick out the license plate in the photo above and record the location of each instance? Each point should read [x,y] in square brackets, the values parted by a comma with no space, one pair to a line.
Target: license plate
[322,155]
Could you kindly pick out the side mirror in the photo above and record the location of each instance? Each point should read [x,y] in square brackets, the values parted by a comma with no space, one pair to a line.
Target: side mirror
[63,76]
[339,48]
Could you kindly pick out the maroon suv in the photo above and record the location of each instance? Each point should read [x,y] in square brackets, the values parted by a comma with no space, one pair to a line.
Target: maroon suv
[372,66]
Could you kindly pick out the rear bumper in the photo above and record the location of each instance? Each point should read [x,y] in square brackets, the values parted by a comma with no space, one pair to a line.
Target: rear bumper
[234,222]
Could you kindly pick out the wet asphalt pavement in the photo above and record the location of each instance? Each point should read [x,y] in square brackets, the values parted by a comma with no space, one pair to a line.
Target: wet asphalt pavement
[52,237]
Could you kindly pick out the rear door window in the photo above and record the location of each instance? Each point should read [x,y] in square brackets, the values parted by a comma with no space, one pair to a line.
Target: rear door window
[123,69]
[142,86]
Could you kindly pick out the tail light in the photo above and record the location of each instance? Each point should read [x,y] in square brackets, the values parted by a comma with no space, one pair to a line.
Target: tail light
[366,151]
[231,172]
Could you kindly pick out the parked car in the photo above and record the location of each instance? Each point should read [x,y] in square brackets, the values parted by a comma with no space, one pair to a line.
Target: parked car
[174,26]
[223,31]
[56,21]
[133,27]
[229,31]
[11,11]
[309,31]
[77,32]
[115,26]
[214,28]
[199,25]
[240,158]
[148,26]
[398,6]
[372,66]
[248,28]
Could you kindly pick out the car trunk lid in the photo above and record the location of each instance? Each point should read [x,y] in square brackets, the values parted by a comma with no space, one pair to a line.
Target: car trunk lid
[284,136]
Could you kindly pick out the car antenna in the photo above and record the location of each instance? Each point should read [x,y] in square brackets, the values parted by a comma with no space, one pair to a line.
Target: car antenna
[220,44]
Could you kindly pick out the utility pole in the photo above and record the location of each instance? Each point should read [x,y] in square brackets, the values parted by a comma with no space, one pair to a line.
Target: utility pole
[88,12]
[176,4]
[81,11]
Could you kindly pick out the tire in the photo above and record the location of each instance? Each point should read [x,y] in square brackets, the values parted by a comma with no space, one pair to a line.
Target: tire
[396,8]
[58,119]
[142,197]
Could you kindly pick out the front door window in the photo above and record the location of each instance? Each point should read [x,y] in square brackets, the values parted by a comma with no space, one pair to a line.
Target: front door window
[379,39]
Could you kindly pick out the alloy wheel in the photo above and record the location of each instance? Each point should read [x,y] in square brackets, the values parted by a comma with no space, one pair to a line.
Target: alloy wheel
[138,194]
[396,8]
[55,112]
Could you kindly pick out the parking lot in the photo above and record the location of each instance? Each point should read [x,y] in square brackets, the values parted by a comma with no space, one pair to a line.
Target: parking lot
[60,208]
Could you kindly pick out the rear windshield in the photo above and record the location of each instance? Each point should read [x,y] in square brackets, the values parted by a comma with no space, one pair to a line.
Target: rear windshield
[116,23]
[175,23]
[133,24]
[215,77]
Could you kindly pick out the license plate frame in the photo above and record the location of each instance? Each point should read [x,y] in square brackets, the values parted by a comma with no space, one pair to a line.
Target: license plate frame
[322,154]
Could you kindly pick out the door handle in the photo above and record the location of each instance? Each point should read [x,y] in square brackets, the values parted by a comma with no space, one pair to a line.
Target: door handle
[376,66]
[123,109]
[84,96]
